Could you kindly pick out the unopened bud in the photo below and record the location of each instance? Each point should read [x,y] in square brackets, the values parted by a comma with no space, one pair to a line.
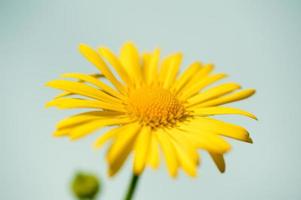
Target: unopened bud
[85,185]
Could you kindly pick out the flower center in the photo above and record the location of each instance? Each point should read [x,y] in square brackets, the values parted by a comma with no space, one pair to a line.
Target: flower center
[155,106]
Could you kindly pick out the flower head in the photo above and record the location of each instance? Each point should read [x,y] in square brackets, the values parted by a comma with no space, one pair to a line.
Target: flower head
[150,107]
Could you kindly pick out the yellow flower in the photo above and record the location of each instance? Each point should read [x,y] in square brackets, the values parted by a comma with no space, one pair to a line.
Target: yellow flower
[149,106]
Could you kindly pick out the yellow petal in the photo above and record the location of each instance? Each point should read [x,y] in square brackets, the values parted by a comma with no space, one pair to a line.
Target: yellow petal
[121,147]
[141,149]
[237,96]
[186,76]
[164,67]
[94,81]
[75,121]
[115,165]
[181,138]
[222,128]
[90,127]
[67,126]
[94,58]
[70,103]
[106,136]
[199,75]
[62,132]
[151,69]
[85,117]
[186,151]
[153,153]
[130,60]
[114,61]
[185,160]
[169,152]
[64,94]
[213,93]
[171,71]
[219,161]
[127,138]
[208,141]
[201,85]
[81,89]
[206,111]
[146,58]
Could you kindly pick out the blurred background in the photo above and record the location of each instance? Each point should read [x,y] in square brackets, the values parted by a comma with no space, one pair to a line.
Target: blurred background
[257,42]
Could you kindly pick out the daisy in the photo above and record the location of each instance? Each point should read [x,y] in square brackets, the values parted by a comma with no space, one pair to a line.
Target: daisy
[150,108]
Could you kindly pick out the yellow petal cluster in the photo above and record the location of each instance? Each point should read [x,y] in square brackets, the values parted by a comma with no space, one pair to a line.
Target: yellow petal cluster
[151,109]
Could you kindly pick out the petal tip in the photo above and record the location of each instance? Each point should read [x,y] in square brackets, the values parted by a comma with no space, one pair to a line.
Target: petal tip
[84,48]
[249,140]
[48,104]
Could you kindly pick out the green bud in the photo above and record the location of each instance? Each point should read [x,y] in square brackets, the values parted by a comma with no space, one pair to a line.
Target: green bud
[85,185]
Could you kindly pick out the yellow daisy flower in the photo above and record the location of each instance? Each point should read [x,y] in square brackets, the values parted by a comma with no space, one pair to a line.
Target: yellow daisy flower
[150,107]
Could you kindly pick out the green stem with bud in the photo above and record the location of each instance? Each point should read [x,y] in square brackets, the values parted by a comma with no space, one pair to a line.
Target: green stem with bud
[132,187]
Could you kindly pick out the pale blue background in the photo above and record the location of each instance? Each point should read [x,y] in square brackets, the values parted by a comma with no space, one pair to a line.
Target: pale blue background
[257,42]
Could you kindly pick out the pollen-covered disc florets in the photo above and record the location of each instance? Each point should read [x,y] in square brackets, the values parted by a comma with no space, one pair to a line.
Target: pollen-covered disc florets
[155,106]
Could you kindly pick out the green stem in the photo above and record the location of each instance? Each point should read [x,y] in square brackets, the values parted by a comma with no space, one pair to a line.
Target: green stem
[132,187]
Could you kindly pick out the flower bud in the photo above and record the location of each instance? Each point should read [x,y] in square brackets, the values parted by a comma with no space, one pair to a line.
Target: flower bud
[85,185]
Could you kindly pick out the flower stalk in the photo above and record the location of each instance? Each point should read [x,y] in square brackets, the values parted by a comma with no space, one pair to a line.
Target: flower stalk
[132,187]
